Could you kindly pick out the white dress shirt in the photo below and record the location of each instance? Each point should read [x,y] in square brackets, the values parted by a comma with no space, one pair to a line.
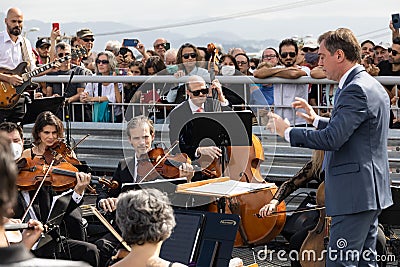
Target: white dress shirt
[11,53]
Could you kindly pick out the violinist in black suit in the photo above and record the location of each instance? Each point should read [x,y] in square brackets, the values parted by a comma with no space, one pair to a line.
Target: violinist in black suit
[140,132]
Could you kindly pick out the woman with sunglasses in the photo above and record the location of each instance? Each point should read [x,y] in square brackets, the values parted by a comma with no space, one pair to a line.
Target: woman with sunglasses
[188,58]
[101,92]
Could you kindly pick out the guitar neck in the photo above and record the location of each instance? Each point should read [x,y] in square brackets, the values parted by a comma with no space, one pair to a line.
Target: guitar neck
[43,68]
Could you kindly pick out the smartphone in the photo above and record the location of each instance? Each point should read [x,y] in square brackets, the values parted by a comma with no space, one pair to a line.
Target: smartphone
[396,20]
[167,46]
[130,42]
[56,26]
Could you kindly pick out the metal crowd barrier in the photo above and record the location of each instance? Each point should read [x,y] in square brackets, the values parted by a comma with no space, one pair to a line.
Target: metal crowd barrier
[133,109]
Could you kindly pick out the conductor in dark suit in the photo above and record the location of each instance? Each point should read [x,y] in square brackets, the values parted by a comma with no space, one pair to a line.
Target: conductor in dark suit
[181,126]
[355,143]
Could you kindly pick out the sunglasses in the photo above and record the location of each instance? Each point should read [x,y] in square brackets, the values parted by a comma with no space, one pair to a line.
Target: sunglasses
[86,40]
[394,52]
[104,61]
[159,45]
[192,55]
[197,92]
[308,49]
[63,54]
[286,54]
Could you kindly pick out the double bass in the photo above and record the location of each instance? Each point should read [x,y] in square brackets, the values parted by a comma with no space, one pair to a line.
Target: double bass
[253,231]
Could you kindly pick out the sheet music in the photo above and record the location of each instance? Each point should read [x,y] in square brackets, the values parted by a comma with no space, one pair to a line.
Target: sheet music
[229,188]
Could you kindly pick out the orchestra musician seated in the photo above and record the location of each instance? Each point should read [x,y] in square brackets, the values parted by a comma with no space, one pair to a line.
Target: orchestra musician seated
[146,219]
[140,132]
[17,254]
[46,132]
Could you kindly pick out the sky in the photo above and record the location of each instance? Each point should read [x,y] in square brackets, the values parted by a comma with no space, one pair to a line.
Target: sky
[253,19]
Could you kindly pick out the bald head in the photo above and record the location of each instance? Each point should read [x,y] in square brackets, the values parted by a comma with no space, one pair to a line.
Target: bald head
[14,22]
[14,11]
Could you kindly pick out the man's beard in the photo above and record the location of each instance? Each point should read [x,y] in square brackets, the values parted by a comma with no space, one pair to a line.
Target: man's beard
[15,31]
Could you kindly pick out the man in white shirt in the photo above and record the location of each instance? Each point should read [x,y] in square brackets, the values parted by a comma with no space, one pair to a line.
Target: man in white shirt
[12,48]
[284,94]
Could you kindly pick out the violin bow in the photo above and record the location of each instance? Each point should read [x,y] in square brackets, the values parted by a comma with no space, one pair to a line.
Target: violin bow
[37,191]
[159,161]
[97,213]
[80,141]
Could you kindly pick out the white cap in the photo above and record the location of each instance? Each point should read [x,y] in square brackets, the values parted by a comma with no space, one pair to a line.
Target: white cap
[311,43]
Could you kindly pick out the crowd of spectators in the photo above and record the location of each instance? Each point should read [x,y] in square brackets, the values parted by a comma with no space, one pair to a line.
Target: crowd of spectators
[292,59]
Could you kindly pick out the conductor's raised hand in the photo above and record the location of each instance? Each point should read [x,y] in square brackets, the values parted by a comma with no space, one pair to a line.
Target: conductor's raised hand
[310,114]
[276,124]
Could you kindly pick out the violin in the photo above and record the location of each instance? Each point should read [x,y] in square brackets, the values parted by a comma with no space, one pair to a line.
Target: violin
[159,163]
[60,178]
[60,151]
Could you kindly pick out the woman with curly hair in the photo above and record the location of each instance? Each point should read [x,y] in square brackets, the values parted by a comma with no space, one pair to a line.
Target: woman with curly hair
[146,219]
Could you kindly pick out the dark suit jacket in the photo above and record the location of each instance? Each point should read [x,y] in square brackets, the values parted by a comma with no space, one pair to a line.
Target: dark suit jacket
[355,141]
[123,174]
[180,126]
[72,219]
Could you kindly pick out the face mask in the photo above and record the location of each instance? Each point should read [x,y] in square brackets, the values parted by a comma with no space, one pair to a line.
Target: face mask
[16,150]
[227,70]
[171,69]
[311,57]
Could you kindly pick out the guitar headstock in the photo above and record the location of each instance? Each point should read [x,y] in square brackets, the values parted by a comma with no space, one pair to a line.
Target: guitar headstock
[78,51]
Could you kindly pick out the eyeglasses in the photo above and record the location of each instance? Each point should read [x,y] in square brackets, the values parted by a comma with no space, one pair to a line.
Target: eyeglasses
[394,52]
[63,54]
[197,92]
[241,62]
[290,54]
[86,40]
[308,49]
[104,61]
[269,57]
[192,55]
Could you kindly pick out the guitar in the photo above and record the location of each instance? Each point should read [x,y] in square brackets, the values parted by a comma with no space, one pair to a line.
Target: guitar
[9,95]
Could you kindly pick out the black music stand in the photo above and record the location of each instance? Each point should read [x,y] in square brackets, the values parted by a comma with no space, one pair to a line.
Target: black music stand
[53,104]
[222,129]
[183,244]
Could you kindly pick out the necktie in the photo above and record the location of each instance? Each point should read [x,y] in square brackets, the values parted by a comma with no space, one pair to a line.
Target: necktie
[200,109]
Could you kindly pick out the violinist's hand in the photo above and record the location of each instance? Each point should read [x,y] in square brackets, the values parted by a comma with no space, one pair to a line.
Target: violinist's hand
[108,204]
[267,209]
[30,236]
[83,180]
[211,151]
[186,170]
